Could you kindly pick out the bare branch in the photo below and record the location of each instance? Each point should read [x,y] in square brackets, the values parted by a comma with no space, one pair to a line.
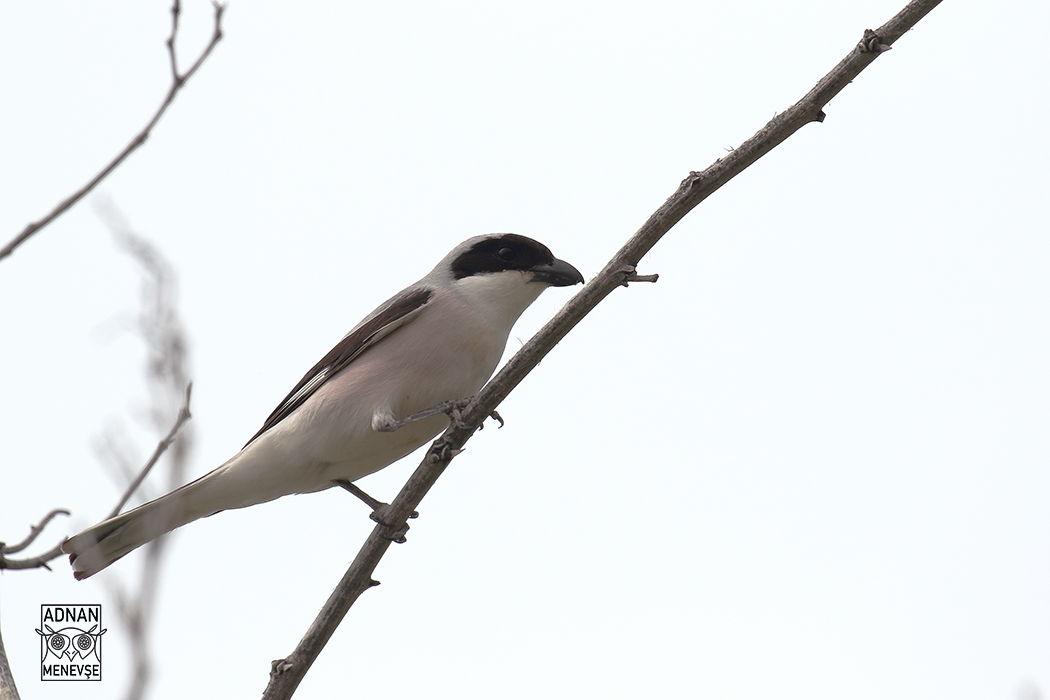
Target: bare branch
[286,674]
[34,531]
[39,561]
[162,446]
[176,12]
[178,80]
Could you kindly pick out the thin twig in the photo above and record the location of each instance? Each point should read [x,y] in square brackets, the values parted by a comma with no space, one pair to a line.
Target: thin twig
[286,674]
[34,532]
[39,561]
[176,12]
[162,446]
[178,80]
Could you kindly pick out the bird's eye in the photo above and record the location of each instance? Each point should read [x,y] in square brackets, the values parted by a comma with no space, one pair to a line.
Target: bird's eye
[506,254]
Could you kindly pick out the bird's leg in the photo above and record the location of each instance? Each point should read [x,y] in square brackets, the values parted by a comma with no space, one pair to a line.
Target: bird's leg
[374,503]
[379,510]
[388,425]
[454,409]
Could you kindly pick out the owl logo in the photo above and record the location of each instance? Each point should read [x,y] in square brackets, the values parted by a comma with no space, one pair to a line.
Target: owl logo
[71,642]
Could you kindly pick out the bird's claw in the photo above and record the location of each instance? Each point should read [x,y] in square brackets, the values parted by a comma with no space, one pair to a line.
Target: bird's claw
[397,535]
[495,415]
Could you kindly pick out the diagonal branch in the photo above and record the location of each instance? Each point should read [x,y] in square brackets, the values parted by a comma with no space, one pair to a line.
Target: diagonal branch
[286,673]
[162,446]
[35,530]
[177,82]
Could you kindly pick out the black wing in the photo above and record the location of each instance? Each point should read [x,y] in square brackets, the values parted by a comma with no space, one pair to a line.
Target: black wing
[384,321]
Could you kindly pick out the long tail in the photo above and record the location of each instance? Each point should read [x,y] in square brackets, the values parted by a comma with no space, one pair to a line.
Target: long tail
[100,545]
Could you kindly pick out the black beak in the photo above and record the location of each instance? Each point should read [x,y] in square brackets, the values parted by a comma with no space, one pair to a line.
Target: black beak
[557,274]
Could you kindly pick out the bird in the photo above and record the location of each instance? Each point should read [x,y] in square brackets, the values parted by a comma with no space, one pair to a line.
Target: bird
[358,409]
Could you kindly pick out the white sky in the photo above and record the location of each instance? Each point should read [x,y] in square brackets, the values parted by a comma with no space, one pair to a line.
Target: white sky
[813,461]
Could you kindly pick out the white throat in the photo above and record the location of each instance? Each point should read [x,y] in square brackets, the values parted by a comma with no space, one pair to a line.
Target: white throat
[500,297]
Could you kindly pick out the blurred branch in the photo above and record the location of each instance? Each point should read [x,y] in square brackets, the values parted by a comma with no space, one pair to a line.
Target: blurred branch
[286,674]
[160,328]
[177,82]
[159,325]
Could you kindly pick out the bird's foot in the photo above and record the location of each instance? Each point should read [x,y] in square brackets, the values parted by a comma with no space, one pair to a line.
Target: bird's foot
[395,534]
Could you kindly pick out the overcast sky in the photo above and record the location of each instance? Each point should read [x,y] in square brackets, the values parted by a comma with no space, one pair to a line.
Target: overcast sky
[812,461]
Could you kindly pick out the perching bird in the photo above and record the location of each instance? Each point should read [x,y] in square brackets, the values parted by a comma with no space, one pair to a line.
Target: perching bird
[438,340]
